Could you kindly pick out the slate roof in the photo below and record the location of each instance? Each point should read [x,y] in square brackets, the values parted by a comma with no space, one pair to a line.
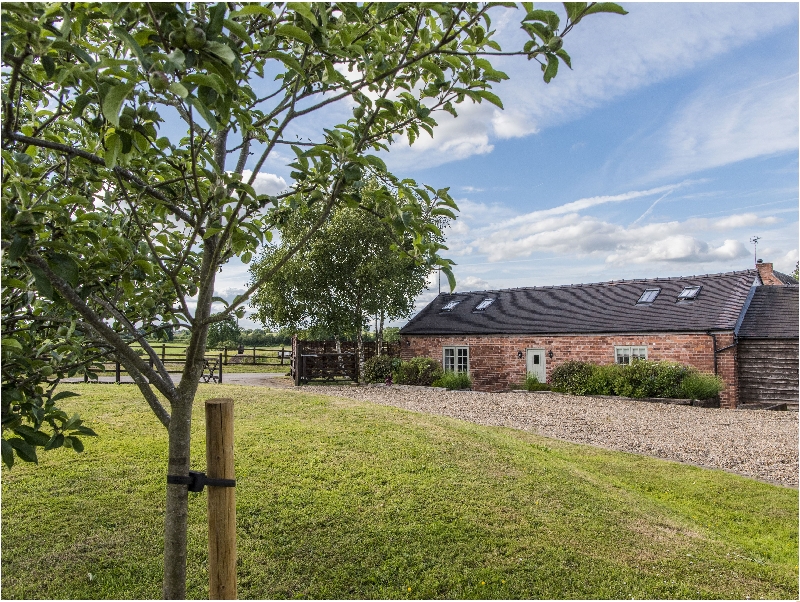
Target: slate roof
[592,308]
[772,314]
[785,278]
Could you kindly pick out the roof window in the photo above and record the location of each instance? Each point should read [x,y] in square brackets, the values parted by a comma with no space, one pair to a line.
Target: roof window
[484,304]
[451,304]
[649,295]
[689,293]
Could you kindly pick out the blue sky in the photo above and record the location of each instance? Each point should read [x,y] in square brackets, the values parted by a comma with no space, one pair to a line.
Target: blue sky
[670,144]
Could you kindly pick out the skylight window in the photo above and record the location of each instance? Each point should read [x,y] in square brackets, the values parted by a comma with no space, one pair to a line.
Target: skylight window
[689,293]
[484,304]
[450,305]
[649,295]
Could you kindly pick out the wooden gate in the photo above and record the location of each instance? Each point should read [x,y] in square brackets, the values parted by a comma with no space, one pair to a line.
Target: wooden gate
[320,360]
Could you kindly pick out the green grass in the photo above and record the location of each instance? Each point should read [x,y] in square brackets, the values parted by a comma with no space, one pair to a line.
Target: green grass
[342,499]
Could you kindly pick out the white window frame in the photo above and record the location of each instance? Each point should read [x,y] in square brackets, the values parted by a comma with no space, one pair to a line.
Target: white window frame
[459,360]
[624,354]
[689,292]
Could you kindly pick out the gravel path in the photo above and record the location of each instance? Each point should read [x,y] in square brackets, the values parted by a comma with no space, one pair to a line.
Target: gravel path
[755,443]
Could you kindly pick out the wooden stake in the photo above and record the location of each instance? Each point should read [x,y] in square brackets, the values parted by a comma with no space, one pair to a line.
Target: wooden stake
[221,500]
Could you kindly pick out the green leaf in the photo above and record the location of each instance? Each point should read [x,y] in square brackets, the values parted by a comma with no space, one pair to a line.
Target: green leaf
[295,33]
[42,283]
[252,9]
[451,279]
[77,444]
[552,68]
[545,16]
[221,51]
[24,450]
[605,7]
[432,67]
[239,31]
[492,98]
[72,423]
[131,43]
[562,54]
[179,89]
[207,115]
[65,267]
[212,80]
[112,103]
[31,435]
[8,453]
[56,441]
[286,59]
[80,104]
[574,9]
[304,10]
[85,430]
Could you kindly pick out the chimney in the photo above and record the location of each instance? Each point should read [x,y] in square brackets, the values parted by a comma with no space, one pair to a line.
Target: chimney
[768,278]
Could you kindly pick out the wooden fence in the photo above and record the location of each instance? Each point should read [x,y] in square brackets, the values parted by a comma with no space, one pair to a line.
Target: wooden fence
[320,360]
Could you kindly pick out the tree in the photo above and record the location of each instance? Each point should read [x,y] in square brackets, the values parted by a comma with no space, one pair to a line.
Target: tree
[223,331]
[351,270]
[127,130]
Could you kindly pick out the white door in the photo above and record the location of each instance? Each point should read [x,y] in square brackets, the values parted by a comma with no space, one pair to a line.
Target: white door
[535,364]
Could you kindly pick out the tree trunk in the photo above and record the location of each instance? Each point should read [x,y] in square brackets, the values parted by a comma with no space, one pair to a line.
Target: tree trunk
[380,334]
[177,508]
[360,340]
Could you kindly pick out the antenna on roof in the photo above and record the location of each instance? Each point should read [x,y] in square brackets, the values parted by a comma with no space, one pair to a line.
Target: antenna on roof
[754,240]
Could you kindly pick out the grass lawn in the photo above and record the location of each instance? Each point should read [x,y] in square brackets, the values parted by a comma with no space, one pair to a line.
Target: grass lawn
[342,499]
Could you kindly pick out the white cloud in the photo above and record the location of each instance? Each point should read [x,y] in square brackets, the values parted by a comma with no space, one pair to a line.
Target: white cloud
[266,183]
[716,129]
[613,55]
[471,283]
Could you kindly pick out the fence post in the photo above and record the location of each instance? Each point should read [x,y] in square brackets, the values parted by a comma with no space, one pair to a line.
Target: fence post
[225,351]
[117,373]
[220,368]
[281,355]
[221,500]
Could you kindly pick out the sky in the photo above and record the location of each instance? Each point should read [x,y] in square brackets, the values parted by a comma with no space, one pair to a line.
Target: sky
[669,145]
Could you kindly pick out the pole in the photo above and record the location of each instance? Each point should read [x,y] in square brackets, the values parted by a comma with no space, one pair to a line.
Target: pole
[117,373]
[221,500]
[220,368]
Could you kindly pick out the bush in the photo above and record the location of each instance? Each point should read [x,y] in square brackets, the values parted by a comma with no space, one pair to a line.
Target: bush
[531,383]
[604,379]
[418,371]
[644,378]
[701,386]
[572,377]
[378,368]
[454,380]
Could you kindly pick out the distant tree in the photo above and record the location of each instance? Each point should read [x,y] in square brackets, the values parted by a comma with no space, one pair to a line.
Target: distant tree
[223,331]
[353,269]
[796,273]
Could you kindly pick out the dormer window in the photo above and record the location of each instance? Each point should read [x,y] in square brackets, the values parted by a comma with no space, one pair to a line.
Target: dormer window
[450,305]
[689,293]
[484,304]
[648,296]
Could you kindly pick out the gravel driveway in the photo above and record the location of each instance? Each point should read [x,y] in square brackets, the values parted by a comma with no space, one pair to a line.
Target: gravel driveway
[756,443]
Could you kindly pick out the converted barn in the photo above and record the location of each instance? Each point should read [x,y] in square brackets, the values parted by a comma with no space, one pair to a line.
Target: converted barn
[498,336]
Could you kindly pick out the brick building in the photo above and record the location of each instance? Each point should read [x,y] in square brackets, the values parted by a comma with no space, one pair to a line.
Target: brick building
[497,336]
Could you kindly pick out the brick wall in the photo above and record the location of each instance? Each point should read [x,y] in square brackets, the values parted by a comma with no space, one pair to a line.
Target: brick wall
[494,363]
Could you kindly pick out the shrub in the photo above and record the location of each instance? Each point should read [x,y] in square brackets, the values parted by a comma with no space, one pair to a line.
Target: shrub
[572,377]
[531,383]
[644,378]
[701,386]
[378,368]
[454,380]
[418,371]
[603,379]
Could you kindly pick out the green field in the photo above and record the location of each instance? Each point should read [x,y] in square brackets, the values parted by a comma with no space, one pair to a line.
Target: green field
[343,499]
